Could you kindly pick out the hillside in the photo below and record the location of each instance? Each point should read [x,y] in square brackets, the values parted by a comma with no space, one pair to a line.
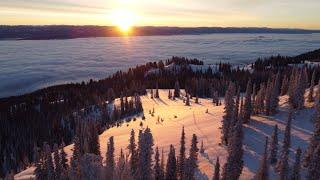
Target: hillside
[206,126]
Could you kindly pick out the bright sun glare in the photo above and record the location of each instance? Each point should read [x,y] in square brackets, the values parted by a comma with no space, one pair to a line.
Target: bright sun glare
[124,20]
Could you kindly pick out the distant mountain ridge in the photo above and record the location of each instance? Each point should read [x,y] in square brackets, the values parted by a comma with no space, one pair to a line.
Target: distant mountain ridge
[25,32]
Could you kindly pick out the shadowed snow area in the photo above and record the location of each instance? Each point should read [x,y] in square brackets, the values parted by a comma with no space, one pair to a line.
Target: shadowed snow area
[206,126]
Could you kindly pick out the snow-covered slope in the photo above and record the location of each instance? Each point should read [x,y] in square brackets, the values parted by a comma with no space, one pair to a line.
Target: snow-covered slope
[206,126]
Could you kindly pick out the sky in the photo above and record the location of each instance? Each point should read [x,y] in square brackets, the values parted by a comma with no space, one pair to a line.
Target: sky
[185,13]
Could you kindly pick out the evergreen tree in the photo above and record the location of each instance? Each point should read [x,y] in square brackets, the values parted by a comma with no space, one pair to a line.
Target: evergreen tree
[310,95]
[171,168]
[75,160]
[132,147]
[228,117]
[145,155]
[296,167]
[48,166]
[268,96]
[263,171]
[259,103]
[236,110]
[216,175]
[94,144]
[187,100]
[111,95]
[176,89]
[157,91]
[182,154]
[169,94]
[193,155]
[315,139]
[314,166]
[247,103]
[201,148]
[157,168]
[275,94]
[254,94]
[90,166]
[284,86]
[63,161]
[110,162]
[282,165]
[57,160]
[274,146]
[233,167]
[151,93]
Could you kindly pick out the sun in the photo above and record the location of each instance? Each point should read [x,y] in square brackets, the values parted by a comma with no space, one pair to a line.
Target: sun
[124,20]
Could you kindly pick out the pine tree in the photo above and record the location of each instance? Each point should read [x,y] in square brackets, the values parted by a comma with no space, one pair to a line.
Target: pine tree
[237,107]
[132,147]
[169,94]
[259,103]
[197,99]
[111,95]
[284,86]
[216,175]
[201,148]
[193,154]
[314,167]
[162,165]
[268,97]
[274,146]
[145,154]
[48,166]
[247,103]
[263,171]
[182,154]
[94,144]
[63,161]
[233,167]
[296,167]
[228,117]
[110,162]
[187,100]
[171,168]
[151,93]
[310,95]
[254,94]
[90,166]
[75,160]
[57,160]
[275,94]
[176,89]
[157,167]
[315,139]
[282,165]
[157,91]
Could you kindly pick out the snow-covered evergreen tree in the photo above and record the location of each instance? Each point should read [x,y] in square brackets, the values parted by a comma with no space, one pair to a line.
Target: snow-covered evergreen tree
[171,168]
[233,167]
[247,103]
[176,89]
[63,161]
[132,147]
[145,148]
[268,96]
[151,93]
[259,102]
[182,154]
[110,161]
[295,175]
[216,174]
[228,117]
[284,86]
[74,171]
[283,165]
[274,146]
[311,89]
[275,94]
[315,139]
[263,171]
